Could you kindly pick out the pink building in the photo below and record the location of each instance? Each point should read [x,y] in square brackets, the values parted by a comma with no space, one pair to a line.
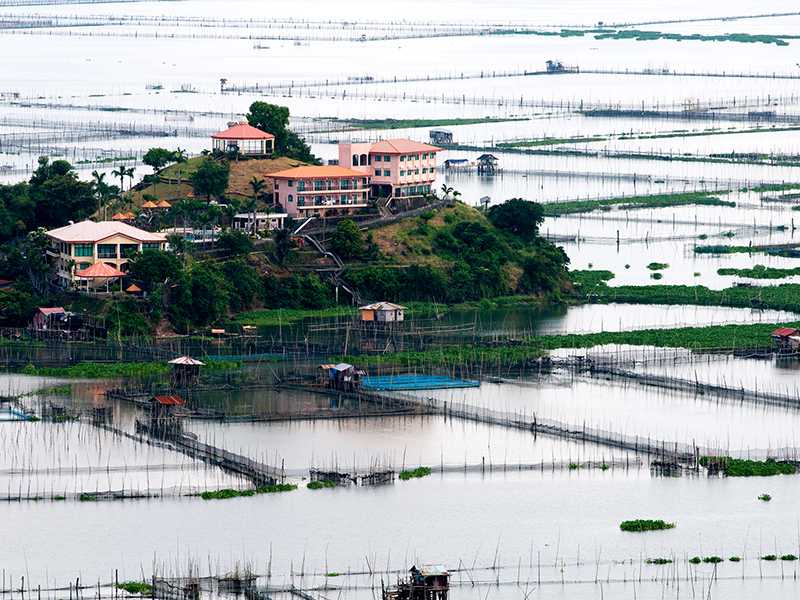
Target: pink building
[399,168]
[329,191]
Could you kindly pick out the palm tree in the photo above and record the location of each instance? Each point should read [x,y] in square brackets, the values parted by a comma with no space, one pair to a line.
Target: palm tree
[101,189]
[214,213]
[446,191]
[121,174]
[129,175]
[257,185]
[179,158]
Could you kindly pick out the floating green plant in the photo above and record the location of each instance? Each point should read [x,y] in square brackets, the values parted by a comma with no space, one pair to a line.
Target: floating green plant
[769,557]
[695,560]
[734,559]
[645,525]
[136,587]
[658,561]
[765,497]
[418,472]
[712,559]
[657,266]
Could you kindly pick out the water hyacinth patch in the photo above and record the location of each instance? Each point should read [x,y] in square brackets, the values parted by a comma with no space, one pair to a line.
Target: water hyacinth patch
[645,525]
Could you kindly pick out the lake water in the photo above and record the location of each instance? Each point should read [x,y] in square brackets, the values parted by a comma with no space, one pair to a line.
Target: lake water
[550,533]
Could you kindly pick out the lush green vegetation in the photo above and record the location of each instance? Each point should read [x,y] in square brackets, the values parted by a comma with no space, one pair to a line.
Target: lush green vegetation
[275,120]
[769,557]
[657,266]
[555,209]
[713,559]
[588,279]
[735,558]
[286,315]
[724,249]
[737,467]
[760,272]
[549,141]
[137,587]
[318,485]
[459,254]
[230,493]
[695,560]
[90,370]
[418,472]
[659,561]
[645,525]
[411,123]
[781,297]
[765,497]
[788,557]
[648,36]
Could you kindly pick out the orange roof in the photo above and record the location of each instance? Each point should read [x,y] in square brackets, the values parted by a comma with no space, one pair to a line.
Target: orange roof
[402,146]
[99,270]
[89,231]
[164,204]
[330,172]
[149,204]
[130,215]
[118,217]
[243,132]
[133,288]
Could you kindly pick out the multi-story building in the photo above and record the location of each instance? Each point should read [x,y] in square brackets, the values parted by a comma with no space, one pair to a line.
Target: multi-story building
[400,168]
[80,245]
[328,191]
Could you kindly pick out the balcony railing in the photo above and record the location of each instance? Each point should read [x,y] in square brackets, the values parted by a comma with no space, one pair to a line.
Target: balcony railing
[106,255]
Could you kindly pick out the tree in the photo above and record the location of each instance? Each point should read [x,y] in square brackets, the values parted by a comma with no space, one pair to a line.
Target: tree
[520,218]
[236,242]
[258,185]
[17,307]
[157,158]
[283,244]
[59,195]
[346,240]
[275,120]
[122,173]
[210,179]
[154,266]
[209,294]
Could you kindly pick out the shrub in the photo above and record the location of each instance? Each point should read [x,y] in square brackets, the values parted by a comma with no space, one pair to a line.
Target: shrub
[734,559]
[657,266]
[645,525]
[658,561]
[136,587]
[765,497]
[695,560]
[712,559]
[769,557]
[788,557]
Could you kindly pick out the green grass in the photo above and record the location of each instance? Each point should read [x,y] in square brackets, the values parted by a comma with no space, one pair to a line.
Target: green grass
[549,142]
[136,587]
[90,370]
[318,485]
[765,497]
[418,472]
[411,123]
[645,525]
[287,316]
[555,209]
[88,497]
[657,266]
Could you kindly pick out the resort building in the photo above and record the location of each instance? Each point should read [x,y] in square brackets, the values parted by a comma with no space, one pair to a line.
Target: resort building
[399,168]
[245,139]
[327,191]
[77,247]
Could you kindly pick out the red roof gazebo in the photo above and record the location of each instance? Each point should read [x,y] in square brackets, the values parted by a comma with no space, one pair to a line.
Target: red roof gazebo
[244,138]
[100,270]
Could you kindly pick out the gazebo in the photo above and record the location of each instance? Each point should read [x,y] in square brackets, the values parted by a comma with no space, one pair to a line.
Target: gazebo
[163,204]
[244,138]
[99,271]
[149,205]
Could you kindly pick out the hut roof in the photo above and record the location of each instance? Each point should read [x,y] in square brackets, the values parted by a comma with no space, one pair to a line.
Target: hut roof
[149,204]
[100,269]
[119,216]
[168,400]
[383,306]
[133,288]
[430,570]
[784,332]
[52,311]
[164,204]
[185,360]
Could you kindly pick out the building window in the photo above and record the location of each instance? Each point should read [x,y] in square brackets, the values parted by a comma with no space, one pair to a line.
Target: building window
[291,183]
[318,200]
[405,191]
[106,251]
[433,170]
[424,156]
[426,189]
[291,198]
[416,171]
[318,186]
[387,173]
[424,171]
[82,266]
[83,249]
[402,158]
[151,246]
[301,186]
[402,173]
[377,159]
[364,181]
[355,160]
[363,160]
[416,157]
[345,184]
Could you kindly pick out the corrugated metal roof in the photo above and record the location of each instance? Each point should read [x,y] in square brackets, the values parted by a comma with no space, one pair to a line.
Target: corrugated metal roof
[784,331]
[185,360]
[342,367]
[169,400]
[326,366]
[430,570]
[52,311]
[383,306]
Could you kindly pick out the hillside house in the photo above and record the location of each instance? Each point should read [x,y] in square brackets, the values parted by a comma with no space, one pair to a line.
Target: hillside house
[245,139]
[264,221]
[328,191]
[79,246]
[786,340]
[399,168]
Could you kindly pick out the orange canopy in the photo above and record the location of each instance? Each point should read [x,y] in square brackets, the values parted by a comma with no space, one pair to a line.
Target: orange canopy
[99,270]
